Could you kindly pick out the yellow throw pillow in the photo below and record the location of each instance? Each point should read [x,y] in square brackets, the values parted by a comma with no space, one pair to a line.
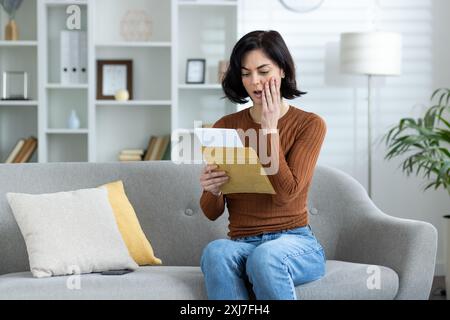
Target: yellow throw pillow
[138,246]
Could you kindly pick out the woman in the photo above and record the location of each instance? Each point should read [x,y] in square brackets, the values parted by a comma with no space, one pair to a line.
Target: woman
[271,244]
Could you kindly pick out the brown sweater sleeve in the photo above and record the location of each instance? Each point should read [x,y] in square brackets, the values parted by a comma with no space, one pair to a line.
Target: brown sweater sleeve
[295,171]
[213,206]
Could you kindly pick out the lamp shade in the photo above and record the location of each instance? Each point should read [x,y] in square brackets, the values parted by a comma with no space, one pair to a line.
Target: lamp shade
[371,53]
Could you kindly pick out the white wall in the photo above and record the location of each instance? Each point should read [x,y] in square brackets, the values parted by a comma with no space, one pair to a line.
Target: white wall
[441,45]
[341,100]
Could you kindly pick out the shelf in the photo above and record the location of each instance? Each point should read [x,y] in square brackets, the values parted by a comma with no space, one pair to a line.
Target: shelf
[184,131]
[130,44]
[134,103]
[8,103]
[67,131]
[24,43]
[58,3]
[200,86]
[179,30]
[66,86]
[207,3]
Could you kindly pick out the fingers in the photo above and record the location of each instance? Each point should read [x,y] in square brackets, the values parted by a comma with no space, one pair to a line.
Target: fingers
[215,182]
[209,168]
[209,173]
[268,95]
[213,174]
[275,91]
[265,108]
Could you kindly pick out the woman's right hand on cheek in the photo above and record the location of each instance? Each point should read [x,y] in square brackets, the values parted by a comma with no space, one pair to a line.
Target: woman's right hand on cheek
[212,180]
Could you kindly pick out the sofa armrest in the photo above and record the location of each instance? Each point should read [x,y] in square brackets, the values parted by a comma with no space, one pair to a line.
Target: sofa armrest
[407,246]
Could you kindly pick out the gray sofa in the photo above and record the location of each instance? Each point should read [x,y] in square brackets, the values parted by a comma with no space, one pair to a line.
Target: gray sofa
[370,255]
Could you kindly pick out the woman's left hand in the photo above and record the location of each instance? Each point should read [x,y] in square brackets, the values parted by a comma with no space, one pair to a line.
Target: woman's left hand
[271,105]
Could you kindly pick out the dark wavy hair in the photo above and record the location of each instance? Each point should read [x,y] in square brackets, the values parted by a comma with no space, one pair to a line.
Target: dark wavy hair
[273,45]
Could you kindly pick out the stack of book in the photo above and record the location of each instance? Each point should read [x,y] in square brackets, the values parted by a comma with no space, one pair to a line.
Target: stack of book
[131,155]
[157,148]
[22,151]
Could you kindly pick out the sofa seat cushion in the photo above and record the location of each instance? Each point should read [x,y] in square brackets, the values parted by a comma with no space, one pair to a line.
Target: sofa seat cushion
[343,280]
[152,282]
[348,281]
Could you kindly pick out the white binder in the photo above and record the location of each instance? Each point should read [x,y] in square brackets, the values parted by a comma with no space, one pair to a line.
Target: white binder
[74,57]
[83,58]
[65,57]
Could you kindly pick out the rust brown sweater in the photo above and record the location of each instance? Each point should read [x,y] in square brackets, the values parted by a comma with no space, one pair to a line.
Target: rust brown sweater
[297,145]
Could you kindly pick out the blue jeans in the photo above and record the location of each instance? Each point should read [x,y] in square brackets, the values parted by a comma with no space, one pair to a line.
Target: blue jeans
[273,263]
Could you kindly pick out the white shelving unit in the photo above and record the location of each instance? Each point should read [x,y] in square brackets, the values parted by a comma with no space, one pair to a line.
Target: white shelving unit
[56,100]
[19,119]
[205,30]
[162,102]
[130,124]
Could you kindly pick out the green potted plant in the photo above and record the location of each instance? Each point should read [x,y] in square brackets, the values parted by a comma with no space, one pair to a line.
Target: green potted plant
[11,7]
[426,142]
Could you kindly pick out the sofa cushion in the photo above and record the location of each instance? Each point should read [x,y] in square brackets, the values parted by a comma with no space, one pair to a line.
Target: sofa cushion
[70,232]
[349,281]
[343,280]
[137,243]
[153,283]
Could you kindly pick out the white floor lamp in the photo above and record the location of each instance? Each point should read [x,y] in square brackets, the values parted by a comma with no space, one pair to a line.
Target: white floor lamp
[372,54]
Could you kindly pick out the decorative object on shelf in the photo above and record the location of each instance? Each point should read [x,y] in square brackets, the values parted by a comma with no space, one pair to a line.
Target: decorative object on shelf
[122,95]
[112,76]
[136,25]
[195,71]
[301,6]
[11,29]
[73,122]
[372,53]
[223,66]
[15,85]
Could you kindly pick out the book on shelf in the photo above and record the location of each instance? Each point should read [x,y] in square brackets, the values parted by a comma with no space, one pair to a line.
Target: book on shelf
[151,143]
[157,148]
[128,157]
[131,155]
[26,151]
[138,152]
[15,150]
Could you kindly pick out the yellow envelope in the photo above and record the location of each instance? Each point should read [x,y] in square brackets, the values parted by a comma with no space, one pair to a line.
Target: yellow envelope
[242,166]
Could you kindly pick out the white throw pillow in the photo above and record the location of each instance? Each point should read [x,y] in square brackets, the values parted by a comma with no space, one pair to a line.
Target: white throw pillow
[70,232]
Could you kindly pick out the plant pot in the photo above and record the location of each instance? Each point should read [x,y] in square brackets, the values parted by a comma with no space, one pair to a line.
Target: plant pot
[11,30]
[447,251]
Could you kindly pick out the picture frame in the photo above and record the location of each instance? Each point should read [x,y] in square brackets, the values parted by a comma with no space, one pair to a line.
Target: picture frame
[14,85]
[112,76]
[195,71]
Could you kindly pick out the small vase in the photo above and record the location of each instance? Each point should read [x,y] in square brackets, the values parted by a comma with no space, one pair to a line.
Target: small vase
[11,31]
[73,121]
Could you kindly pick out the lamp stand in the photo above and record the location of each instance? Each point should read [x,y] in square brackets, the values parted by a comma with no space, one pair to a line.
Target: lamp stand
[369,136]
